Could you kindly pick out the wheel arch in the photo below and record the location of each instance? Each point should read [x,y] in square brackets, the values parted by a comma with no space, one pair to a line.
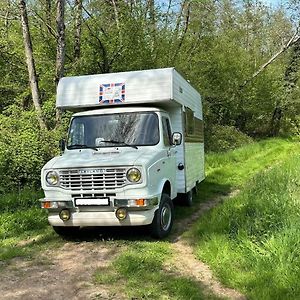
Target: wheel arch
[166,188]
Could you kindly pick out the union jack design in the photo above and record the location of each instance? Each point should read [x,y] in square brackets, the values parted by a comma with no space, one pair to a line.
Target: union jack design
[112,93]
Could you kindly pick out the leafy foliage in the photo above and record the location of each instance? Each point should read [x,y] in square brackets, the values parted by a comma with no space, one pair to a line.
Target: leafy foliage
[217,45]
[23,148]
[223,138]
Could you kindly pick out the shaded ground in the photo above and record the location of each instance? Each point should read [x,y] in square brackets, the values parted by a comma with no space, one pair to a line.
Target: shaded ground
[64,273]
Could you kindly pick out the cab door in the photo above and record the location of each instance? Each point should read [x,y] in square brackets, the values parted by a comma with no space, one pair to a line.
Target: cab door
[170,159]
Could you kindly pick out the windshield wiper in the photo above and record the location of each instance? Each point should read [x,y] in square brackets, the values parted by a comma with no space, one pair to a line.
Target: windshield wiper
[120,143]
[81,146]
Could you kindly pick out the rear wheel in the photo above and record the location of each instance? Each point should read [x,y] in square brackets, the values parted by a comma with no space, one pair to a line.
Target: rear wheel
[163,218]
[65,231]
[187,198]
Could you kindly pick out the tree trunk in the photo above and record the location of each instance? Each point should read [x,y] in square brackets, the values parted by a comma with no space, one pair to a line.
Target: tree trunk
[48,12]
[61,45]
[33,80]
[185,12]
[77,35]
[276,120]
[152,17]
[60,50]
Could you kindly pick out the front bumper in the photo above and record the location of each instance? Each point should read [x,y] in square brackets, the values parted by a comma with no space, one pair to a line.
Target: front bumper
[107,218]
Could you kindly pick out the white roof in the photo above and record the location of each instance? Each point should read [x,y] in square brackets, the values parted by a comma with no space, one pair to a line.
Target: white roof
[149,87]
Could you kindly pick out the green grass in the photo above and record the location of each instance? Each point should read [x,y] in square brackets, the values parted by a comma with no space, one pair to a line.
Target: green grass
[232,170]
[252,240]
[139,273]
[21,219]
[249,243]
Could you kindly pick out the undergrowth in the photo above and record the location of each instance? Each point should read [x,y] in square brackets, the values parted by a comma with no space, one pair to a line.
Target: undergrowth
[21,218]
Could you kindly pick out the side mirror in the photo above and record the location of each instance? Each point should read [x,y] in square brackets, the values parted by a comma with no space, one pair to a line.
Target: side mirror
[176,138]
[62,145]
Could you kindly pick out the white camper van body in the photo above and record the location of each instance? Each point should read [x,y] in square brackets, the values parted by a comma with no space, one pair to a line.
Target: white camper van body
[91,182]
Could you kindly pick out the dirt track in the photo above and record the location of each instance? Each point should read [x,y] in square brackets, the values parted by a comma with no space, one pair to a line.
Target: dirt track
[67,272]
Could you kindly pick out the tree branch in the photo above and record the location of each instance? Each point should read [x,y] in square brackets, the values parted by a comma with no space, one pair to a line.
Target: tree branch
[294,39]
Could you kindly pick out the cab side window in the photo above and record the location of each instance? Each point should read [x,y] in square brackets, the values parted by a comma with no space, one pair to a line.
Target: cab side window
[167,131]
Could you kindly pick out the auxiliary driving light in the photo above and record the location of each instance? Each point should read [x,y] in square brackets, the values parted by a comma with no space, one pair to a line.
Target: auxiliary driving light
[121,213]
[65,214]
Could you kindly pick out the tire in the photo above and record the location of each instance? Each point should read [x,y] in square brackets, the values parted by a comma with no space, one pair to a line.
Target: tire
[187,198]
[163,218]
[66,231]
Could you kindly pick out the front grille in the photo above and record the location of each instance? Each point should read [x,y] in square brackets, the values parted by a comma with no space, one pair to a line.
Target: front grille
[93,179]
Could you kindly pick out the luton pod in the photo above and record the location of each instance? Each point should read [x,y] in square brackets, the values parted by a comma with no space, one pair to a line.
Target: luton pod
[135,143]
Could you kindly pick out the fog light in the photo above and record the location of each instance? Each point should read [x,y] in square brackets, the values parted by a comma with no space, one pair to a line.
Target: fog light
[65,214]
[121,213]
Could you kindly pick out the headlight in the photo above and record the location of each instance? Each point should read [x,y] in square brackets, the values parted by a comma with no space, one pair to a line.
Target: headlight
[52,178]
[134,175]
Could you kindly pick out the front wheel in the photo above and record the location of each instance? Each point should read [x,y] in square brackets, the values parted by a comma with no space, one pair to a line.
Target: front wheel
[163,218]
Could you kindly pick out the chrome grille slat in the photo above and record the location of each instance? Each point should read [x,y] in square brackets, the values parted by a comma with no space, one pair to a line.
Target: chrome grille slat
[99,179]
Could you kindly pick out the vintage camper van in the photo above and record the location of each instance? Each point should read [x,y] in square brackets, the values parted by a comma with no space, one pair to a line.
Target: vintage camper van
[135,143]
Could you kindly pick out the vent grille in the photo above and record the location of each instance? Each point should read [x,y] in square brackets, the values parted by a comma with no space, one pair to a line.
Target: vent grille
[93,179]
[93,196]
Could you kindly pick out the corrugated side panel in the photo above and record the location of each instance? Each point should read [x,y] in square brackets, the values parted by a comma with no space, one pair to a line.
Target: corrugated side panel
[149,86]
[186,95]
[194,164]
[176,116]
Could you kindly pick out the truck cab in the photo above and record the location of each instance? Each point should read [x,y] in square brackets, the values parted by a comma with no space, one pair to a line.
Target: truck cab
[121,165]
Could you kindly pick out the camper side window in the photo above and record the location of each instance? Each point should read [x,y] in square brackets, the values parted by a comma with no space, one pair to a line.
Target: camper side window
[193,131]
[167,132]
[189,122]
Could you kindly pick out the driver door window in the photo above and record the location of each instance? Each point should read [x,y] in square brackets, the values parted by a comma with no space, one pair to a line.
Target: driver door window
[167,133]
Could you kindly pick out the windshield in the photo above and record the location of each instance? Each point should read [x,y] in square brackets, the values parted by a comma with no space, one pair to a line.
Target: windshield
[121,130]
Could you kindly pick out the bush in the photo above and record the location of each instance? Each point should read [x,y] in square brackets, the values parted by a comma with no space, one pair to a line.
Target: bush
[24,149]
[223,138]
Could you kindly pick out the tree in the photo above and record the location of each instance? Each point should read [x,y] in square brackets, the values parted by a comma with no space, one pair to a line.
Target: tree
[33,80]
[77,32]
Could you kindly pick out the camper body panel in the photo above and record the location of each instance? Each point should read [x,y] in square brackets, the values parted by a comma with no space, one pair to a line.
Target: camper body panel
[140,87]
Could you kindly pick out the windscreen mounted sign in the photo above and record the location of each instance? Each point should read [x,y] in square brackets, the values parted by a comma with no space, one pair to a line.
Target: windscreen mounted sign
[112,93]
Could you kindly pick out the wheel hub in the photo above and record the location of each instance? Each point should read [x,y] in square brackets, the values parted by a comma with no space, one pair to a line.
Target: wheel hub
[165,217]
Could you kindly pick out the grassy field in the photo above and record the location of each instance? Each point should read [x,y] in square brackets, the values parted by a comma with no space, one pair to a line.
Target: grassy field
[21,218]
[225,172]
[250,241]
[140,273]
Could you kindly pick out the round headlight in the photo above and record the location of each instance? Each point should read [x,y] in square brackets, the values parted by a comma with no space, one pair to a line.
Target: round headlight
[52,178]
[134,175]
